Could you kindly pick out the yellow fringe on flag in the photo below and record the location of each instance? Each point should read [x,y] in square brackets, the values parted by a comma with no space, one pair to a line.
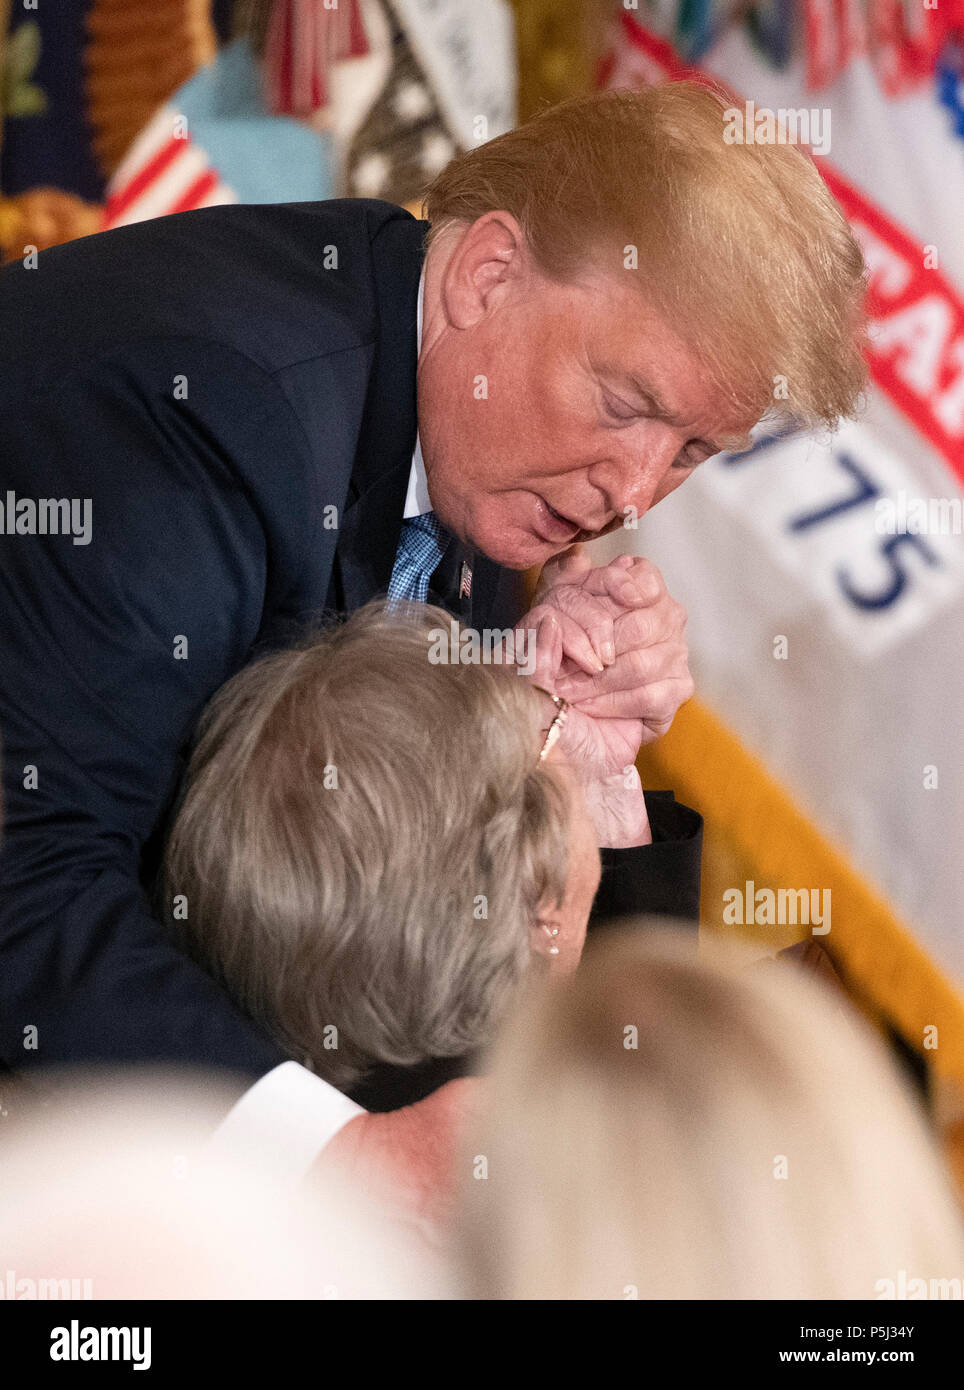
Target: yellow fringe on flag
[754,831]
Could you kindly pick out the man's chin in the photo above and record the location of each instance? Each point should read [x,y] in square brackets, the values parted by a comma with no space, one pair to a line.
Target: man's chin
[517,552]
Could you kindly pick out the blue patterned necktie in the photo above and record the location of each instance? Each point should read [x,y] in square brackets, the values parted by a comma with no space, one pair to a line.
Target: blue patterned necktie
[420,548]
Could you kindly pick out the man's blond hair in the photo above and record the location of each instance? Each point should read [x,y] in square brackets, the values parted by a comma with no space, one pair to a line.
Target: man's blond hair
[364,842]
[739,246]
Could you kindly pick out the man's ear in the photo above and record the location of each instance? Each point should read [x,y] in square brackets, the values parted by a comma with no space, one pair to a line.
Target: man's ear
[489,255]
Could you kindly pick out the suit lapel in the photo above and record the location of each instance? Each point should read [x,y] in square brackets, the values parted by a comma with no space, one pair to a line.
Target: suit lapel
[485,581]
[369,536]
[372,521]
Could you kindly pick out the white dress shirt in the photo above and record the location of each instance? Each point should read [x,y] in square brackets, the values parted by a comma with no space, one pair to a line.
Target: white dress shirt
[287,1117]
[417,502]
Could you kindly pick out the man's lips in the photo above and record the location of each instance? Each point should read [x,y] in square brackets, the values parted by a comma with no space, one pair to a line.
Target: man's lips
[552,525]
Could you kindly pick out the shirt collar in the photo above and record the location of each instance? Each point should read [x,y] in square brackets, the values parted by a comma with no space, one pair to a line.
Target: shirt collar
[417,501]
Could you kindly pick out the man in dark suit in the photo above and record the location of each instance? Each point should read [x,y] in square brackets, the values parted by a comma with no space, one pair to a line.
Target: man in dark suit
[262,414]
[239,420]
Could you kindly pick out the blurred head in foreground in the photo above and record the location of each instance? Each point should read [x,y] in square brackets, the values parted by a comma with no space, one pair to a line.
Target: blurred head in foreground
[369,852]
[109,1189]
[662,1126]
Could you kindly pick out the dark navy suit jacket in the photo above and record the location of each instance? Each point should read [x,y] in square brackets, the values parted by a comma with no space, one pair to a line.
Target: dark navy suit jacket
[212,382]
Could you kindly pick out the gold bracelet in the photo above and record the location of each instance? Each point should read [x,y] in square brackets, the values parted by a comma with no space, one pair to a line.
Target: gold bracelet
[555,728]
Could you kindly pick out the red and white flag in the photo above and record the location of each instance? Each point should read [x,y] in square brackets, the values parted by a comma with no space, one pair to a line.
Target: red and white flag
[164,171]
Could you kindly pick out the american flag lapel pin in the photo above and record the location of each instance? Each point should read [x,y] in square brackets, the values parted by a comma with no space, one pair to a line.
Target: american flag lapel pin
[465,580]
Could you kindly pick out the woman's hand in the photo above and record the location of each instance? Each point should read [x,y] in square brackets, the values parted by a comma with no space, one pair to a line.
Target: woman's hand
[616,637]
[600,754]
[610,640]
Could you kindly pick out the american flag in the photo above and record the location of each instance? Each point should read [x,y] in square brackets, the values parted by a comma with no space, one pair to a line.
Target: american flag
[164,171]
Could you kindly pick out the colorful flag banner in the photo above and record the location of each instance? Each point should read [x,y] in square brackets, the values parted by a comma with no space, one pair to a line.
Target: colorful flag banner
[214,143]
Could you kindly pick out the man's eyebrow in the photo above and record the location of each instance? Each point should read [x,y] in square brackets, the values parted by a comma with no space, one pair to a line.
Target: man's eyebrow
[728,444]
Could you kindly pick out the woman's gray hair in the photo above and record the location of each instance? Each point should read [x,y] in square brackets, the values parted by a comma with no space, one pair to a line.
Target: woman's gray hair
[364,842]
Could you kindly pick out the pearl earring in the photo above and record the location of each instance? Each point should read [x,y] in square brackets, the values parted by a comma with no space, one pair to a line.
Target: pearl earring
[552,933]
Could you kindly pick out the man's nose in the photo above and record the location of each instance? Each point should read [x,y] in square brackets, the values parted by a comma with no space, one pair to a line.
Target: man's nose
[629,478]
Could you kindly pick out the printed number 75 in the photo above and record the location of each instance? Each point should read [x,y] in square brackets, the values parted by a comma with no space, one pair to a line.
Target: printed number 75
[867,491]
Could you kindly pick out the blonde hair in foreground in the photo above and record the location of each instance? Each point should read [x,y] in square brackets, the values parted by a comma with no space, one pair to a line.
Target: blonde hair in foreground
[741,248]
[756,1144]
[364,842]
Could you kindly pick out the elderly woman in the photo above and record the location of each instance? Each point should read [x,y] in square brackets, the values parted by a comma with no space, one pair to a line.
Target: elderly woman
[373,846]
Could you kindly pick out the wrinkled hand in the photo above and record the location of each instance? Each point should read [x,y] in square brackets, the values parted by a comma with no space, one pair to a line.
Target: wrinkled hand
[617,636]
[606,772]
[610,640]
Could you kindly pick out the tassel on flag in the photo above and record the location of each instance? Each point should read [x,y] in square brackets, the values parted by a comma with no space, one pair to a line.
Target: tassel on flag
[303,40]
